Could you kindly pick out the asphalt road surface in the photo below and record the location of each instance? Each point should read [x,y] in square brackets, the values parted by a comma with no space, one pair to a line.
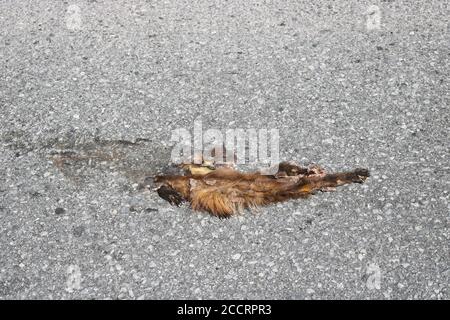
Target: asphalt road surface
[91,91]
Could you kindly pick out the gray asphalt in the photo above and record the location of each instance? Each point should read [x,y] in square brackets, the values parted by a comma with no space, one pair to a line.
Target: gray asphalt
[348,84]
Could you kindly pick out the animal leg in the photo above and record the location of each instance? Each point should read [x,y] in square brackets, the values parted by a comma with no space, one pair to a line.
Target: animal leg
[170,195]
[290,169]
[334,180]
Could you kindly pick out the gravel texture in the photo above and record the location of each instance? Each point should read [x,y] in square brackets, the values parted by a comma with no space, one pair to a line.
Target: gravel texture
[348,84]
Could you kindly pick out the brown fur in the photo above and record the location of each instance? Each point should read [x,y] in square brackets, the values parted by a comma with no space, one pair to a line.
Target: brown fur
[225,191]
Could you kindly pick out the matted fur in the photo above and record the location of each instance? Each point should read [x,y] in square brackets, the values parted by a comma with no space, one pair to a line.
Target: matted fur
[225,191]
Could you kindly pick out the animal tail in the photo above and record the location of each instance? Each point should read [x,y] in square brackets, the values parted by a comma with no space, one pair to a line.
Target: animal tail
[330,181]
